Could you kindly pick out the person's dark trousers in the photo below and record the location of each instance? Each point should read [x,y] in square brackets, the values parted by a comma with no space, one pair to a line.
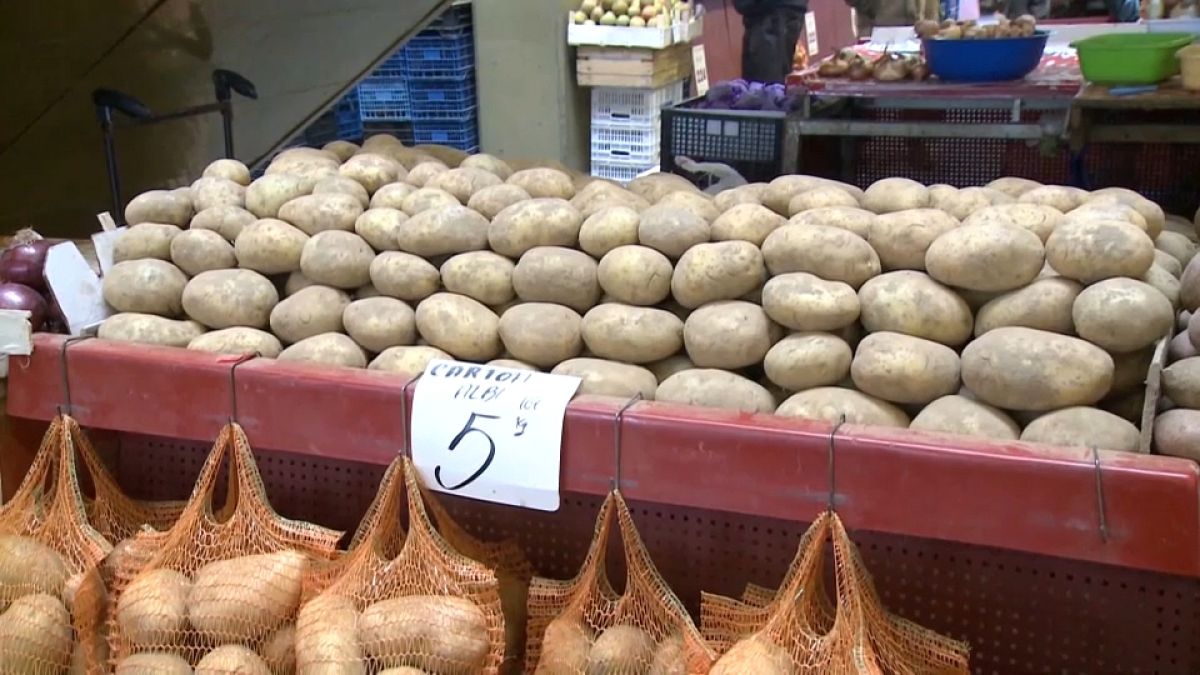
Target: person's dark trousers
[769,43]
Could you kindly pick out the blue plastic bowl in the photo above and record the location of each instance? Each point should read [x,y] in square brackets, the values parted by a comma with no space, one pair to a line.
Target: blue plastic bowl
[985,59]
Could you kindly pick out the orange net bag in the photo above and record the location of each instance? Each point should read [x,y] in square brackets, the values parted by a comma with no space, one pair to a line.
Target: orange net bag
[583,627]
[798,632]
[51,596]
[401,600]
[218,591]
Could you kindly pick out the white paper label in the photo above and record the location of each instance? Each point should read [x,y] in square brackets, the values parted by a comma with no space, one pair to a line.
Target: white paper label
[491,433]
[76,288]
[810,30]
[854,22]
[700,68]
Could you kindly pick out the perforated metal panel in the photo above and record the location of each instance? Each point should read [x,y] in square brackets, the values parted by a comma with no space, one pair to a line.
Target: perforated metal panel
[1021,613]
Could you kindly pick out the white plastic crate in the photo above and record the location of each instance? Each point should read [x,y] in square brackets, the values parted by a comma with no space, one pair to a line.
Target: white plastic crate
[638,146]
[613,106]
[621,173]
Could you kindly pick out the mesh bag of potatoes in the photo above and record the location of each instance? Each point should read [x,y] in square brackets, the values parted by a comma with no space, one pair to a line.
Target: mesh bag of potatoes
[401,603]
[798,631]
[583,627]
[218,591]
[504,558]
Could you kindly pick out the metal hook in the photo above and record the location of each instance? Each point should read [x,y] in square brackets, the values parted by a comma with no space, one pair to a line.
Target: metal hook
[1100,497]
[407,449]
[233,409]
[616,480]
[67,406]
[832,464]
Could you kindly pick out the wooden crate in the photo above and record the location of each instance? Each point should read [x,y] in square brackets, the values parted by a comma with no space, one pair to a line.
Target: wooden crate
[640,68]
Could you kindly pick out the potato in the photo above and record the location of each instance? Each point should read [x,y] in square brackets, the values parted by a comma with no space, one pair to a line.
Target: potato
[541,334]
[443,231]
[830,404]
[710,388]
[245,598]
[1181,382]
[805,302]
[145,240]
[986,257]
[1177,432]
[620,649]
[404,276]
[904,369]
[311,311]
[380,227]
[609,378]
[227,221]
[451,157]
[728,334]
[1014,187]
[490,201]
[1083,427]
[372,171]
[746,222]
[210,192]
[327,639]
[1112,211]
[669,366]
[895,194]
[1092,250]
[858,221]
[635,275]
[463,183]
[319,213]
[336,258]
[1163,282]
[328,348]
[279,650]
[743,194]
[481,275]
[270,246]
[902,238]
[421,174]
[698,203]
[805,360]
[152,610]
[147,286]
[28,566]
[723,270]
[778,194]
[632,334]
[1168,263]
[529,224]
[1189,286]
[565,647]
[1025,369]
[1181,347]
[407,360]
[153,663]
[1151,212]
[36,636]
[655,186]
[340,185]
[149,329]
[547,183]
[390,196]
[1122,315]
[159,206]
[307,165]
[238,340]
[831,253]
[820,197]
[489,163]
[380,322]
[962,416]
[463,327]
[1045,304]
[232,659]
[442,633]
[426,199]
[1177,246]
[196,251]
[913,304]
[229,169]
[670,230]
[602,195]
[227,298]
[556,274]
[1056,196]
[966,201]
[754,655]
[1037,218]
[608,229]
[266,195]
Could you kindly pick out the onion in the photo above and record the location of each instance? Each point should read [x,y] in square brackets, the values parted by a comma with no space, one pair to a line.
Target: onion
[24,263]
[20,296]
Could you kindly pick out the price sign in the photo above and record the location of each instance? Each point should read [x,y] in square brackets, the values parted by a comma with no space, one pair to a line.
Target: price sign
[810,30]
[700,68]
[491,433]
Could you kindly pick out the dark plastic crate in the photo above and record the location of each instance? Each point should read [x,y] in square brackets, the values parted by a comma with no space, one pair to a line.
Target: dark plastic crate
[391,69]
[346,113]
[462,135]
[750,141]
[439,58]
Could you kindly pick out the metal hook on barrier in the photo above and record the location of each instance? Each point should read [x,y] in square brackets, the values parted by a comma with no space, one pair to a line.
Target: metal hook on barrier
[832,463]
[67,407]
[617,419]
[404,415]
[1100,507]
[239,360]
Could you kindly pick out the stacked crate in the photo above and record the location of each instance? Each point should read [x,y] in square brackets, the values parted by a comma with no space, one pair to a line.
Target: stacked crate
[626,129]
[439,64]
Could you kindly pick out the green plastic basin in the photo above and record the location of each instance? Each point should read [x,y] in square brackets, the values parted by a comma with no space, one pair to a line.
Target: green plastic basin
[1130,58]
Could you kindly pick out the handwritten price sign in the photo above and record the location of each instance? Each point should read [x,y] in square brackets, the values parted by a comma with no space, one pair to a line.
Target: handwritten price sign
[491,433]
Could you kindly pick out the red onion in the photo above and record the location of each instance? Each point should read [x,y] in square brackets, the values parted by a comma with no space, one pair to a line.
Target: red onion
[20,296]
[23,263]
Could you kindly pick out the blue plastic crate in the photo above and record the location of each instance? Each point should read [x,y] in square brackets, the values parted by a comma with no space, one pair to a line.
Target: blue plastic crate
[384,101]
[442,100]
[392,68]
[439,58]
[346,114]
[462,135]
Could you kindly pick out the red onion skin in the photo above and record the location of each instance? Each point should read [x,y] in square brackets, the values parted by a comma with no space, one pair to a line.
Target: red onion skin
[19,296]
[25,263]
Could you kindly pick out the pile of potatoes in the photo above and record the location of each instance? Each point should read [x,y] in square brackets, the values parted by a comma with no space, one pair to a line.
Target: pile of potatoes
[1177,429]
[36,593]
[570,646]
[1011,311]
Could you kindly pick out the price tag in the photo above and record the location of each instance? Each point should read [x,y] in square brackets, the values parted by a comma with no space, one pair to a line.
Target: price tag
[700,68]
[491,433]
[810,31]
